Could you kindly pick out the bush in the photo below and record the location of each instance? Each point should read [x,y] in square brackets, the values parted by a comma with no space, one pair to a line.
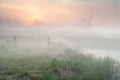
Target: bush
[71,65]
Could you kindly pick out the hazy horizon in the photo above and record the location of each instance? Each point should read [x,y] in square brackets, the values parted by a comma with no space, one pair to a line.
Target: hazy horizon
[86,24]
[96,12]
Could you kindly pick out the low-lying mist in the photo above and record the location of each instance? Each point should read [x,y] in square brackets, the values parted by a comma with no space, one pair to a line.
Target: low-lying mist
[96,40]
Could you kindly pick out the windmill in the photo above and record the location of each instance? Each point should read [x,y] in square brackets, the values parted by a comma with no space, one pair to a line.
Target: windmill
[88,22]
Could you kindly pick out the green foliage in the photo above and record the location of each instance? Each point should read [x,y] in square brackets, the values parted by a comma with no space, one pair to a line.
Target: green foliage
[71,65]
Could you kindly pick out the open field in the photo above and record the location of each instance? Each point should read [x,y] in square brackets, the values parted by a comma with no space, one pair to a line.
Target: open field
[55,55]
[41,59]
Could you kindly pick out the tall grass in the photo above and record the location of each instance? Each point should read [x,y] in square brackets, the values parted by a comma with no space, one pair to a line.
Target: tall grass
[71,65]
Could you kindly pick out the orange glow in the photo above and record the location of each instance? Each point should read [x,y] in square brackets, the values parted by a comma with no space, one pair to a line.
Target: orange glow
[32,16]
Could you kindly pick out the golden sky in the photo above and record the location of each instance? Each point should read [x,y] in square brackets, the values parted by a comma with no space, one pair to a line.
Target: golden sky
[61,11]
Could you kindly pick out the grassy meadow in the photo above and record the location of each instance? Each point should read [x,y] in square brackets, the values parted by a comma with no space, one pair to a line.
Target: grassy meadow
[69,65]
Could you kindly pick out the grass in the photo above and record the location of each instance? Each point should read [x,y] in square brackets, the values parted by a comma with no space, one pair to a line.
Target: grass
[71,65]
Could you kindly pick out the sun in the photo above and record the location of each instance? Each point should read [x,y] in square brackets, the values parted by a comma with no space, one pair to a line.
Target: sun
[30,20]
[33,16]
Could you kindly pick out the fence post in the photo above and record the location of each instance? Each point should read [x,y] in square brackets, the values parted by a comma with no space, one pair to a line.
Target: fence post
[15,39]
[48,42]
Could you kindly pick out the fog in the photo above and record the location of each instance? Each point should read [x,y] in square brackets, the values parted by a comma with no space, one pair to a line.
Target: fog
[37,38]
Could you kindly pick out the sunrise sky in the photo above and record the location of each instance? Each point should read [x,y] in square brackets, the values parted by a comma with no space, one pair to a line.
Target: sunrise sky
[105,12]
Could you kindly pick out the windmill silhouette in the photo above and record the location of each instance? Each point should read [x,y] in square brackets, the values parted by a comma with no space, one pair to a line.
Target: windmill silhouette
[88,22]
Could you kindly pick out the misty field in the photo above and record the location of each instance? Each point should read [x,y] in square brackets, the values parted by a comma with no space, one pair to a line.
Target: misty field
[44,60]
[59,39]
